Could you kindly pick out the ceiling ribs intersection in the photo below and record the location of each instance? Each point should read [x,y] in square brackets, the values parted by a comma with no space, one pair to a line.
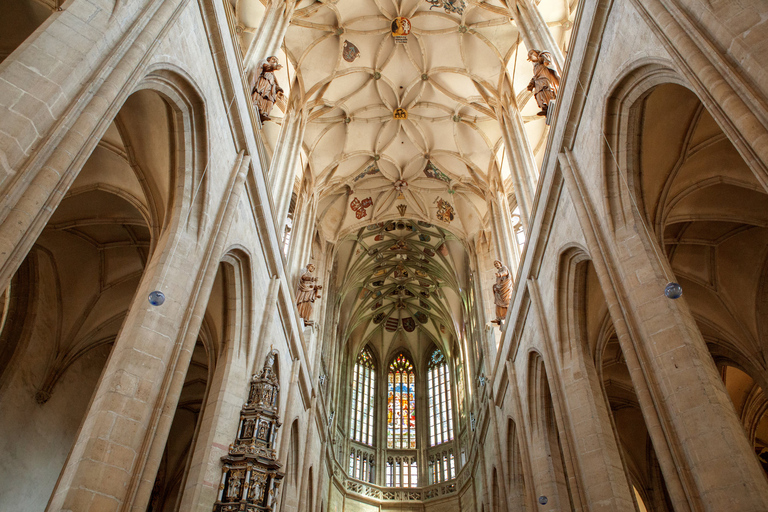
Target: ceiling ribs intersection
[451,76]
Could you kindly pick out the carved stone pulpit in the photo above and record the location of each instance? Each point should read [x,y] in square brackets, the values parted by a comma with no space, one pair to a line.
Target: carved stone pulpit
[251,476]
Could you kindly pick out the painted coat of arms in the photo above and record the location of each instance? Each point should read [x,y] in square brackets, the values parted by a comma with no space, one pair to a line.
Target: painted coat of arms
[431,171]
[400,28]
[445,211]
[456,6]
[350,52]
[359,206]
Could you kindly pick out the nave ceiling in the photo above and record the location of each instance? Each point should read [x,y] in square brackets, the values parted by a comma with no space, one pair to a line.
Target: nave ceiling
[452,74]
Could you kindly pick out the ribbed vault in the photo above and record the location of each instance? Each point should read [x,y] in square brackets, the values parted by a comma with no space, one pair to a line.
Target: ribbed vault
[450,75]
[402,284]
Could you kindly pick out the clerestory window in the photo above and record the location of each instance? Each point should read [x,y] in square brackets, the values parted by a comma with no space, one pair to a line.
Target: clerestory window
[363,393]
[401,405]
[439,399]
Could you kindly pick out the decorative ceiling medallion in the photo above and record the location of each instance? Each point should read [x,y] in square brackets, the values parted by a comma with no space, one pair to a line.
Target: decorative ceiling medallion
[391,324]
[401,209]
[368,171]
[421,317]
[400,113]
[456,6]
[401,27]
[350,51]
[359,206]
[401,186]
[430,171]
[445,211]
[409,324]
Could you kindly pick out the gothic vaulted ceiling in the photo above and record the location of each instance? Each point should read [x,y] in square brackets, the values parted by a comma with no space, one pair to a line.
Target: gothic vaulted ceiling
[402,283]
[437,158]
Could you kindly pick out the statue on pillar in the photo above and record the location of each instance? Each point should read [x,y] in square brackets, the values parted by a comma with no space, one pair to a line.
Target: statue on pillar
[308,291]
[502,291]
[264,89]
[545,81]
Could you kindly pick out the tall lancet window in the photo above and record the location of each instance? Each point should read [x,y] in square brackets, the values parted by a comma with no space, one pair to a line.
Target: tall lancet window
[401,405]
[439,405]
[363,388]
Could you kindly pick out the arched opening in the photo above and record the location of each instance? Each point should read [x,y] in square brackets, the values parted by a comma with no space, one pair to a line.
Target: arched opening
[291,492]
[638,453]
[166,491]
[495,493]
[516,490]
[173,472]
[615,388]
[709,215]
[751,406]
[69,298]
[547,457]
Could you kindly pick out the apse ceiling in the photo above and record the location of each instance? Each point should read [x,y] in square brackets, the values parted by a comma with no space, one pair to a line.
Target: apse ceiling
[401,282]
[403,123]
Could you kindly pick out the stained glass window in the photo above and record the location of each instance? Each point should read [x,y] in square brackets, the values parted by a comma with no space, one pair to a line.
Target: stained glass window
[363,387]
[439,400]
[401,405]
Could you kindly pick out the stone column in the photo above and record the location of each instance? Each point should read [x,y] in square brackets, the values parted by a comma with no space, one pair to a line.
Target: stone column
[521,161]
[282,170]
[536,32]
[501,220]
[115,457]
[270,34]
[595,450]
[303,235]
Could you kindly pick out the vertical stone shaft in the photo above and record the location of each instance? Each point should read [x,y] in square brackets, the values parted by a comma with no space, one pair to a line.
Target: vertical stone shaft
[270,34]
[537,32]
[283,167]
[521,161]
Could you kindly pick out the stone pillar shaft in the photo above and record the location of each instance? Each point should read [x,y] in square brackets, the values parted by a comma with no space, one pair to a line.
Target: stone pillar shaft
[521,161]
[702,449]
[282,170]
[537,32]
[271,32]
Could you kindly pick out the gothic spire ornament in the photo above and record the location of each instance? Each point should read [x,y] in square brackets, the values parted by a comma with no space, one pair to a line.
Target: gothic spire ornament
[251,476]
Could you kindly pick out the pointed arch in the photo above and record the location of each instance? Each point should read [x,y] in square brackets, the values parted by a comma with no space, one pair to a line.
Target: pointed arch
[439,398]
[401,403]
[363,400]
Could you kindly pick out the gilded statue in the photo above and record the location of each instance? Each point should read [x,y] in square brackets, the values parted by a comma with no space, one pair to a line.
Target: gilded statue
[308,291]
[545,81]
[502,291]
[264,88]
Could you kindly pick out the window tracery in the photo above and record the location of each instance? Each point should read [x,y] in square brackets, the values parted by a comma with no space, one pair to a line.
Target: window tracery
[439,399]
[363,396]
[441,467]
[402,472]
[401,404]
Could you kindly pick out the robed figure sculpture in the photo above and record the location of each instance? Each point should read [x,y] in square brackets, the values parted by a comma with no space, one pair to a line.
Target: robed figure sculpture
[308,291]
[545,81]
[502,291]
[264,88]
